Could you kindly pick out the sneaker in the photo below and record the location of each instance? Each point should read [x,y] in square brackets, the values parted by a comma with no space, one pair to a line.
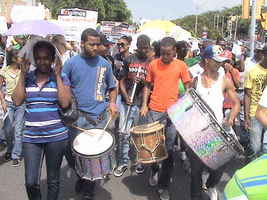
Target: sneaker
[2,146]
[16,163]
[212,192]
[78,186]
[153,178]
[7,156]
[139,169]
[164,194]
[119,171]
[88,197]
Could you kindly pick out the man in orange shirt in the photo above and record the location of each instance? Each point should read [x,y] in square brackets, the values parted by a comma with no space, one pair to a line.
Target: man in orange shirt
[164,74]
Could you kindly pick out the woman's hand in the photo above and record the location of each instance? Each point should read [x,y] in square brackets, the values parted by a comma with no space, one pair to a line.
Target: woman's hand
[58,66]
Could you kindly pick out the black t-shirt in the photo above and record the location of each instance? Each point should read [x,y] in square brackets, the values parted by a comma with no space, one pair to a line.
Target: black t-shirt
[132,65]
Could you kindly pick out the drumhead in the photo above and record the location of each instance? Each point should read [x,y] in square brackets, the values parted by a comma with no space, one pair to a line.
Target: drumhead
[93,142]
[147,128]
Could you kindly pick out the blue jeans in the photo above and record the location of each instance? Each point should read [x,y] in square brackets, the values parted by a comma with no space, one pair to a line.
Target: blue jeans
[256,133]
[13,128]
[33,159]
[124,135]
[170,135]
[87,185]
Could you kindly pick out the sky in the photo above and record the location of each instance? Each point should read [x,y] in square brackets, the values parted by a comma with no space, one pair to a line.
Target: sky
[173,9]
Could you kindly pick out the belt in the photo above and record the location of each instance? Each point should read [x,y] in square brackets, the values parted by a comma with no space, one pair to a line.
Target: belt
[100,117]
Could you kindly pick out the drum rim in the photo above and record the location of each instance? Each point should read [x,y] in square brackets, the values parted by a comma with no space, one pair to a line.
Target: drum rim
[156,124]
[95,155]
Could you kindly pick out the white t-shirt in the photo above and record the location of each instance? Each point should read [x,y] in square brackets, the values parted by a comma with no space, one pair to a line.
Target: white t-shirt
[263,101]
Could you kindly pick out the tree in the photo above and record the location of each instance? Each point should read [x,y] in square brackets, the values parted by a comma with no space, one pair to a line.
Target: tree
[115,10]
[208,22]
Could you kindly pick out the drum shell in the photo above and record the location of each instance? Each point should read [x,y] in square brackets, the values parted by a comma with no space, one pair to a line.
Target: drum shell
[201,132]
[95,167]
[149,143]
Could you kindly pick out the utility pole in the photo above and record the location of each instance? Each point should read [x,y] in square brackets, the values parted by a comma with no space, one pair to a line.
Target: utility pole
[236,26]
[196,24]
[218,20]
[252,28]
[214,21]
[222,24]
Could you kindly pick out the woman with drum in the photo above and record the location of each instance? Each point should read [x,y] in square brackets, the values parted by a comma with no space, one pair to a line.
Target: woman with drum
[45,91]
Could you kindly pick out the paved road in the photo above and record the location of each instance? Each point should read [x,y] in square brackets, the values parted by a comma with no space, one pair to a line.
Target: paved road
[128,187]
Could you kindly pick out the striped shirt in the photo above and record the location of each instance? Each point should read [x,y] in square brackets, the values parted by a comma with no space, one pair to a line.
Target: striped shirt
[42,120]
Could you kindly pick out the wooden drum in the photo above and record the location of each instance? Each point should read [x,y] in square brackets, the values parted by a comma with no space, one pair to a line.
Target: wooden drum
[149,142]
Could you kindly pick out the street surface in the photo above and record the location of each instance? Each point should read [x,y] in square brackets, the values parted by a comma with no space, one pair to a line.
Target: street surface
[128,187]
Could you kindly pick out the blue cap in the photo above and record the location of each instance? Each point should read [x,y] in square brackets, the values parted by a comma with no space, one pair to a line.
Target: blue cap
[214,52]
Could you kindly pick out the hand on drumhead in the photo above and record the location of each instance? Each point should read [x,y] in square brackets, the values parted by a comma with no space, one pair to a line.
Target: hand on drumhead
[143,110]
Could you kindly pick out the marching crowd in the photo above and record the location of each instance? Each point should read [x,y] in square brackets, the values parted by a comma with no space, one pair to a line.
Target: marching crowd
[41,78]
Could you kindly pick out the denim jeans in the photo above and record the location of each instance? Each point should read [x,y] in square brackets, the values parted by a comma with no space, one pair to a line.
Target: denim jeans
[124,135]
[33,159]
[256,133]
[87,185]
[13,128]
[2,132]
[170,134]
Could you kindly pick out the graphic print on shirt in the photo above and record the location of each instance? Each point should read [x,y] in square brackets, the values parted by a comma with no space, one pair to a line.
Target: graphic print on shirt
[134,68]
[99,84]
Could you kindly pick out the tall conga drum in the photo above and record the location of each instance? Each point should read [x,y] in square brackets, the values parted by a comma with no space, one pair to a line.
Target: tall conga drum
[149,142]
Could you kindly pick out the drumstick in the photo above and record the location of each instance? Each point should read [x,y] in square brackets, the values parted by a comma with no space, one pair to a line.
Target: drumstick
[83,130]
[131,99]
[103,131]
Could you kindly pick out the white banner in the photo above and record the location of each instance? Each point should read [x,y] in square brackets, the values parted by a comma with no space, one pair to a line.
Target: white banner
[3,25]
[75,21]
[22,13]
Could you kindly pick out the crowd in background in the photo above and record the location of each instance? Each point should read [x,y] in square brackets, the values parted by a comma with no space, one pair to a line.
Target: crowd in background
[248,75]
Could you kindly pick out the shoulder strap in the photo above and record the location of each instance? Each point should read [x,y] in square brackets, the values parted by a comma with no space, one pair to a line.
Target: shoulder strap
[195,81]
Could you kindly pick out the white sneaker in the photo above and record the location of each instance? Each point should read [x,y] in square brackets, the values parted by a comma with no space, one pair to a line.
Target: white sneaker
[153,178]
[212,192]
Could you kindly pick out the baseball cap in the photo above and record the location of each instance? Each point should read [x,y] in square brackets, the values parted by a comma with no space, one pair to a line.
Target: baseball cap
[215,52]
[104,40]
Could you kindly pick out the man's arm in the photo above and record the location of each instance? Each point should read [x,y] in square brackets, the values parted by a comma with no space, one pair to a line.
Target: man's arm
[19,93]
[146,94]
[247,101]
[2,96]
[261,115]
[124,91]
[230,90]
[64,92]
[186,77]
[235,77]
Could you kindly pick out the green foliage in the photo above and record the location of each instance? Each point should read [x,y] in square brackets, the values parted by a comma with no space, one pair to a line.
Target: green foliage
[115,10]
[207,22]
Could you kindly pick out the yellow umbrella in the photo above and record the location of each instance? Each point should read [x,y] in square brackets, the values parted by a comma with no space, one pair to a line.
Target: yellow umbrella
[166,26]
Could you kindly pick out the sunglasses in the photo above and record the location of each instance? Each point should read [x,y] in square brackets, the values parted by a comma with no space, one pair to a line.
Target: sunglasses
[121,44]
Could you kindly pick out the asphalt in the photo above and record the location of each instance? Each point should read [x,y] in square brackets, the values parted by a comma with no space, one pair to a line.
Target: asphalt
[128,187]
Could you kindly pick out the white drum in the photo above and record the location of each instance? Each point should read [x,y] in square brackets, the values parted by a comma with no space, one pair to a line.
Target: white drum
[94,154]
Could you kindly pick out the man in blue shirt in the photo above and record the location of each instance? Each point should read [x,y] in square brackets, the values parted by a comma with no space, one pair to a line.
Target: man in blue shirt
[91,80]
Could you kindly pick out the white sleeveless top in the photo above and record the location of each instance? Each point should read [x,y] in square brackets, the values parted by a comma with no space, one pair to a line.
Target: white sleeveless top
[213,96]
